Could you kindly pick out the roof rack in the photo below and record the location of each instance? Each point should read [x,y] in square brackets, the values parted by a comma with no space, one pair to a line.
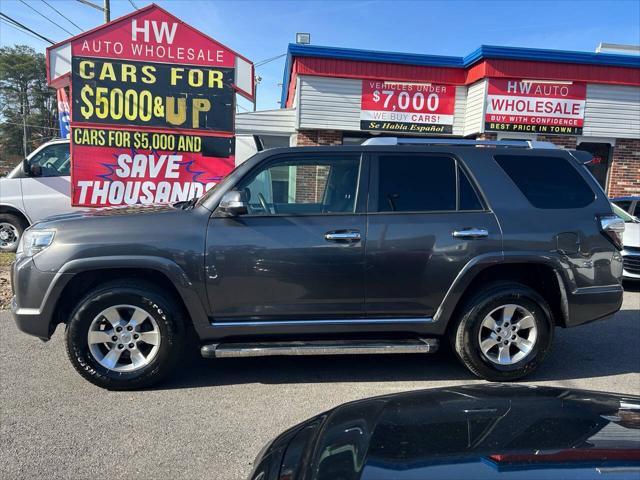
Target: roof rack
[458,142]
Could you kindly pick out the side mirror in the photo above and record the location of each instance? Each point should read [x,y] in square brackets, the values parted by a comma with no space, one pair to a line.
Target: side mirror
[233,204]
[36,170]
[31,170]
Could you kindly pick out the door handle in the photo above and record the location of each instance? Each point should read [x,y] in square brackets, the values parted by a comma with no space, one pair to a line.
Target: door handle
[470,233]
[342,236]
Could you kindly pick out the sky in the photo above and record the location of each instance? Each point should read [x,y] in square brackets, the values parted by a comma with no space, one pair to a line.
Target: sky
[262,29]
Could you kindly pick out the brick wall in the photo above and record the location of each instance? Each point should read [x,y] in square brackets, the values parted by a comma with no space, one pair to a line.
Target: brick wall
[307,138]
[624,176]
[311,181]
[311,138]
[329,137]
[560,140]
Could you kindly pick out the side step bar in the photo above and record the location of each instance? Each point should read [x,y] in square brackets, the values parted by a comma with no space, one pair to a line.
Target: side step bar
[320,347]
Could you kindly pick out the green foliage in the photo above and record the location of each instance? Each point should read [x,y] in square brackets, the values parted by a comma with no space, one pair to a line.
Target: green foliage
[25,97]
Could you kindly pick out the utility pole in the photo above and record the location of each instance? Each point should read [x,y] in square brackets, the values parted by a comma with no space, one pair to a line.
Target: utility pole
[106,8]
[24,125]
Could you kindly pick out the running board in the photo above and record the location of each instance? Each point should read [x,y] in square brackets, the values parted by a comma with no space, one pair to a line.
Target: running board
[320,347]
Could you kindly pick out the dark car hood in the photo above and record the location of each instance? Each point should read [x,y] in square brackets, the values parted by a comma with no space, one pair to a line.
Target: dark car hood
[483,431]
[109,212]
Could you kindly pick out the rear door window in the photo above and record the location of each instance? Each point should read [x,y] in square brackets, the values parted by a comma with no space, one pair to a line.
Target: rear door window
[416,183]
[468,197]
[547,182]
[423,183]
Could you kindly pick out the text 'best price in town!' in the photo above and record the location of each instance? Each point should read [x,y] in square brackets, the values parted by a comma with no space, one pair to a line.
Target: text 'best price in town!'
[535,106]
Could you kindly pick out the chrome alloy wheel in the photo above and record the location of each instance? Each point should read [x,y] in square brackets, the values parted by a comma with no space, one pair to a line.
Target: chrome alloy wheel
[507,334]
[9,236]
[124,338]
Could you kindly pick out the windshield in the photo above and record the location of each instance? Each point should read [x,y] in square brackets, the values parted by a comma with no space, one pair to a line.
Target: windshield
[243,167]
[623,215]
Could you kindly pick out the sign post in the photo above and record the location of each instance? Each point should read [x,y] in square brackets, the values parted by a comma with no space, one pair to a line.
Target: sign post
[152,109]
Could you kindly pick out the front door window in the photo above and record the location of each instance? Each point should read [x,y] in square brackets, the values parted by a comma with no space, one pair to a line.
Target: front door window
[52,161]
[303,187]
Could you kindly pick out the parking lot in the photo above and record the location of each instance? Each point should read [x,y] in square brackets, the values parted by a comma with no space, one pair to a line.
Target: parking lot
[211,419]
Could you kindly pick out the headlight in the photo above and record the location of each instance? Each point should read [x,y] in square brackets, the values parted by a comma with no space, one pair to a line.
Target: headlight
[34,241]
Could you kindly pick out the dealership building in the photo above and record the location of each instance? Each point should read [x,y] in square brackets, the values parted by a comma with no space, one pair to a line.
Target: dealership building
[583,100]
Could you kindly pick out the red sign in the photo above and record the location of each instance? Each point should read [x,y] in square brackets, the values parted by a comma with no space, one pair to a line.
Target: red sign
[407,107]
[153,36]
[535,106]
[152,117]
[152,167]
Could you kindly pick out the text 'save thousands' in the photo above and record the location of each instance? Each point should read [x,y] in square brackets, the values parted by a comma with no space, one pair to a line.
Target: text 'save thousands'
[113,97]
[146,167]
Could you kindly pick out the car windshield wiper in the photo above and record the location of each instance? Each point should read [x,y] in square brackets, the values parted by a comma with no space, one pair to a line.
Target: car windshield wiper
[186,204]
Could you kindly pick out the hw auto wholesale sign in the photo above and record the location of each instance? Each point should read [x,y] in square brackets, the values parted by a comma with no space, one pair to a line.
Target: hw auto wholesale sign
[535,106]
[153,104]
[407,107]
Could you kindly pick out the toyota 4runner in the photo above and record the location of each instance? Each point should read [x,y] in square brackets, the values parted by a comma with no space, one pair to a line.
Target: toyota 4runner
[389,247]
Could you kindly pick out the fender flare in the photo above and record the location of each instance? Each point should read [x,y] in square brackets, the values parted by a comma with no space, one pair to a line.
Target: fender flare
[482,262]
[185,287]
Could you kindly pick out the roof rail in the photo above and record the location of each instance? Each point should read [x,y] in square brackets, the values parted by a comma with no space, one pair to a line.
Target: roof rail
[458,142]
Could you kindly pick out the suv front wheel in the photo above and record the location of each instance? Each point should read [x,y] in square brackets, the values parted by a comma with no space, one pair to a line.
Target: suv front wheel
[504,332]
[125,335]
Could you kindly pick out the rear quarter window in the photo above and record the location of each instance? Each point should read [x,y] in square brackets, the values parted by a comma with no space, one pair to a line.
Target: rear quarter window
[547,182]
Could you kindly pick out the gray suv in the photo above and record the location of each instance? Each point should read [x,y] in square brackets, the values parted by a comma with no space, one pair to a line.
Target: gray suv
[388,247]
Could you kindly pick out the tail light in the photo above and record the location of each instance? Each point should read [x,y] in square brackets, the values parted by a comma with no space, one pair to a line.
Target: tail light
[612,227]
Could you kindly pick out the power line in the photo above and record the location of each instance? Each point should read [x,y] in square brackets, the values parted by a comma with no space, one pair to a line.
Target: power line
[19,29]
[91,4]
[32,126]
[62,15]
[268,60]
[46,18]
[15,22]
[133,4]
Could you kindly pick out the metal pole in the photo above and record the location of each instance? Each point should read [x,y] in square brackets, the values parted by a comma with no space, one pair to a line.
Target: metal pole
[107,11]
[255,96]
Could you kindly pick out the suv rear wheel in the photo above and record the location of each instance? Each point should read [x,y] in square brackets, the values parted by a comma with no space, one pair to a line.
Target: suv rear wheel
[504,332]
[125,335]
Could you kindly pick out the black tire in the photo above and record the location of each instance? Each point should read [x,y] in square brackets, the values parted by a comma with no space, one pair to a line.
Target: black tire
[465,332]
[19,226]
[158,304]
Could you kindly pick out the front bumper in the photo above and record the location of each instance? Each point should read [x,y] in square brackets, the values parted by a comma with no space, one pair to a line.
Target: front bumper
[631,263]
[35,296]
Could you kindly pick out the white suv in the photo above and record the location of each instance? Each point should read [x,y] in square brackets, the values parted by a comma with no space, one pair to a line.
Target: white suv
[36,188]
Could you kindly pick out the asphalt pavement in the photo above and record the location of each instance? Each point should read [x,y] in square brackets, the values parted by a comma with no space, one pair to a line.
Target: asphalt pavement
[211,419]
